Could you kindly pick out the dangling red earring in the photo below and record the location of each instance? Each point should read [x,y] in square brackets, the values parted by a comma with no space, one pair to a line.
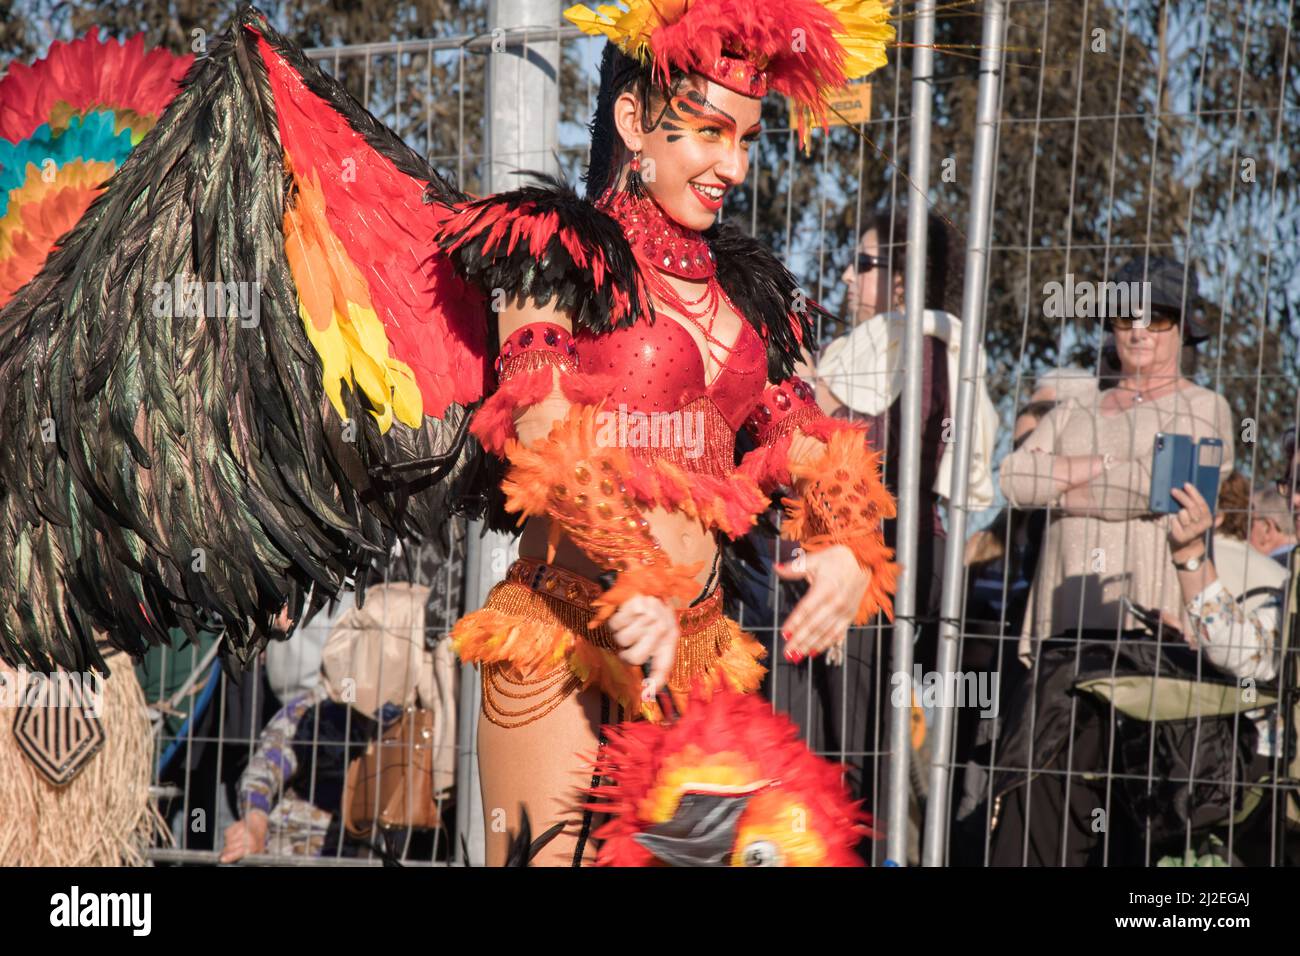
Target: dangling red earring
[634,186]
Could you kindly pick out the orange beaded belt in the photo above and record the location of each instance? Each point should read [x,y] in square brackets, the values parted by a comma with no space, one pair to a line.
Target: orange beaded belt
[544,601]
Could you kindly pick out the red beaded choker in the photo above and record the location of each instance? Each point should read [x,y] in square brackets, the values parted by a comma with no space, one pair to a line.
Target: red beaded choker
[656,239]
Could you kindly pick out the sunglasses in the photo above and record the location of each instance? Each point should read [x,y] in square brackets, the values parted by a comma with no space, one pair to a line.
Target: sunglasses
[1160,321]
[866,262]
[1287,484]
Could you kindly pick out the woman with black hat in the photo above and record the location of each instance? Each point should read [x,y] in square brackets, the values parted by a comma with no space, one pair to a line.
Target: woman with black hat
[1091,463]
[1104,553]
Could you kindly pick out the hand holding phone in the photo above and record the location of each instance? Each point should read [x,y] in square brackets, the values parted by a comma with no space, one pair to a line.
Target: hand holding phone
[1191,523]
[1176,461]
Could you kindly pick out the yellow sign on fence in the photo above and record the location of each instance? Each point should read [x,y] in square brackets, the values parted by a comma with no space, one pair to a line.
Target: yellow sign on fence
[853,103]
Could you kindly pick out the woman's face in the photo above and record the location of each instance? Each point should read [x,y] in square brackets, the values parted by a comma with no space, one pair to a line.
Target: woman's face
[698,150]
[869,293]
[1143,351]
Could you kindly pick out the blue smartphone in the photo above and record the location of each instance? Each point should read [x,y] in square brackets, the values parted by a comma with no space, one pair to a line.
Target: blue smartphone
[1175,461]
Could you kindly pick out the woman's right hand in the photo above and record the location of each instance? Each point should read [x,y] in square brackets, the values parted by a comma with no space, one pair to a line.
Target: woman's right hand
[646,629]
[1189,525]
[244,837]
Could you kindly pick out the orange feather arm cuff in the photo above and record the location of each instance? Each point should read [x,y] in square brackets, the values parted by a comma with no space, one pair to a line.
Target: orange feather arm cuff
[843,501]
[842,498]
[582,486]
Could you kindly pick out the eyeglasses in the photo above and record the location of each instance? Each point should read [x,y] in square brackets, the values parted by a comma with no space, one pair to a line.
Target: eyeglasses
[866,262]
[1160,321]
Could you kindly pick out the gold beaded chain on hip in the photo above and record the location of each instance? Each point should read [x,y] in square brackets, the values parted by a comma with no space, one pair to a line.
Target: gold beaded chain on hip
[556,689]
[535,591]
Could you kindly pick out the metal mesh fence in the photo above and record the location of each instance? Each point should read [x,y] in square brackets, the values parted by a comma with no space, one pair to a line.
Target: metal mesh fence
[1095,720]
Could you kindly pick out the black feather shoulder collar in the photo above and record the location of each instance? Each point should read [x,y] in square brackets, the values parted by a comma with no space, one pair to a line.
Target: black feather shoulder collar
[547,244]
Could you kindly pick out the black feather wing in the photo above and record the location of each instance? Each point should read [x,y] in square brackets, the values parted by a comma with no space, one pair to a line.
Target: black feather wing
[163,468]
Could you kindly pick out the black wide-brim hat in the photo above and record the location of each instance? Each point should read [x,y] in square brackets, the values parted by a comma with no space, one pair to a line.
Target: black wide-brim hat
[1173,287]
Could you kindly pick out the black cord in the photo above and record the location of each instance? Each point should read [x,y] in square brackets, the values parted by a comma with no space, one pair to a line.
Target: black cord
[713,574]
[588,813]
[606,579]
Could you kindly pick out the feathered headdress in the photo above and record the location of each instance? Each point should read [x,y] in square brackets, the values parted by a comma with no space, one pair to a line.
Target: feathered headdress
[804,49]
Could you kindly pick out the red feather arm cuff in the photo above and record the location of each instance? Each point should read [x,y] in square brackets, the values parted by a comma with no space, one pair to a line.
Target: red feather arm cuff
[841,497]
[524,374]
[586,490]
[780,411]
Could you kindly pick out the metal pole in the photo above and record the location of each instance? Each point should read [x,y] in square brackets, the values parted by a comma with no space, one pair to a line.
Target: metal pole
[972,333]
[909,474]
[522,111]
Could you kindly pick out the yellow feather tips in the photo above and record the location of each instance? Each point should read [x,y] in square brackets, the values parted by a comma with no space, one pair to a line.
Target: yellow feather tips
[62,114]
[866,32]
[630,29]
[339,316]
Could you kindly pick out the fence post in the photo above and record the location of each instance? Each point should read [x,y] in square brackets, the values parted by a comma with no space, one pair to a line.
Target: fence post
[522,111]
[972,333]
[909,471]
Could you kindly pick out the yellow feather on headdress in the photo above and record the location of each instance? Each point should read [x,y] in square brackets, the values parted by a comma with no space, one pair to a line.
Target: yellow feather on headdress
[867,32]
[629,29]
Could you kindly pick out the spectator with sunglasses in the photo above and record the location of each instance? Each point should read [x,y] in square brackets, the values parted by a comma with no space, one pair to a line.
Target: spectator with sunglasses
[1090,463]
[860,375]
[1108,569]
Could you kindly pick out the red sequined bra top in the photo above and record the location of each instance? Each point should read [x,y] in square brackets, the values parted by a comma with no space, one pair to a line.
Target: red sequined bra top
[672,411]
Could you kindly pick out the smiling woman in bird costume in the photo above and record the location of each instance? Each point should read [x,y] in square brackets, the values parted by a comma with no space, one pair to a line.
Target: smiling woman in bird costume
[421,351]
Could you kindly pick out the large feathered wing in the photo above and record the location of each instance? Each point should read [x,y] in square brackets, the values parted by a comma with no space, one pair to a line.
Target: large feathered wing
[209,392]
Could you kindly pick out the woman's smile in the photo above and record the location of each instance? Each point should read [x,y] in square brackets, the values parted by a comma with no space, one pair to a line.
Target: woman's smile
[710,194]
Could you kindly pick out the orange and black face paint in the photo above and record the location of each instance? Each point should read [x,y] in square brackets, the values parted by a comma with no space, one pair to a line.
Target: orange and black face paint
[691,112]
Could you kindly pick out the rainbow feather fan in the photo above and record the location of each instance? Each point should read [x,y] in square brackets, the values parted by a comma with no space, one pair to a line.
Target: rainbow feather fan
[67,122]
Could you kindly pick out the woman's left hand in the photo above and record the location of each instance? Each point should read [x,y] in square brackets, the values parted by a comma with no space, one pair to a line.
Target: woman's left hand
[1188,527]
[821,619]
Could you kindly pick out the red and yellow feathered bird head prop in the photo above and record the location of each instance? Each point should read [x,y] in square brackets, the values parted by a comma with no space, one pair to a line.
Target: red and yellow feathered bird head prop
[803,49]
[727,784]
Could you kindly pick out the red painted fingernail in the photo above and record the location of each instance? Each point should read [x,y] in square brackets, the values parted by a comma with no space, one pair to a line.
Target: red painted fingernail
[785,634]
[794,657]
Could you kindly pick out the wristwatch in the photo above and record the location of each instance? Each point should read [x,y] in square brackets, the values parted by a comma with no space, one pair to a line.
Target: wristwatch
[1191,564]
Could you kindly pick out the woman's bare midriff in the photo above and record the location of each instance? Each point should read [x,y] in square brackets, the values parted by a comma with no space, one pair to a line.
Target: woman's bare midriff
[683,539]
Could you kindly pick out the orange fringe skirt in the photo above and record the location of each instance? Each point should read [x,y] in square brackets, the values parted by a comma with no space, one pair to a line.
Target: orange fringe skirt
[534,649]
